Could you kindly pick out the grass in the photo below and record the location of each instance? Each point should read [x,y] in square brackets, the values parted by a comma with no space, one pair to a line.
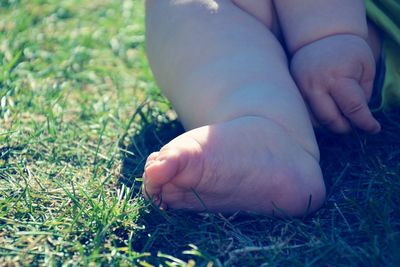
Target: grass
[79,113]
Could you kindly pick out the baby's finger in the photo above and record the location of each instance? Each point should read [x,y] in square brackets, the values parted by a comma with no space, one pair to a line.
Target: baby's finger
[350,98]
[314,121]
[327,112]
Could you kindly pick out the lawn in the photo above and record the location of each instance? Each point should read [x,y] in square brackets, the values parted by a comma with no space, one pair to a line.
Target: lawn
[79,113]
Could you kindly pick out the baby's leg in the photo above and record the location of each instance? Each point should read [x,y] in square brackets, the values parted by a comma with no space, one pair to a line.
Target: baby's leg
[251,145]
[262,10]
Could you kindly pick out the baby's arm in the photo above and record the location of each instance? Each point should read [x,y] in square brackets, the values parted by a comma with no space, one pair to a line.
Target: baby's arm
[332,63]
[306,21]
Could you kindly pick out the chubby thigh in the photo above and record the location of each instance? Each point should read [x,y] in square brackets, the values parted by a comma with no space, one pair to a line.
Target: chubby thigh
[215,63]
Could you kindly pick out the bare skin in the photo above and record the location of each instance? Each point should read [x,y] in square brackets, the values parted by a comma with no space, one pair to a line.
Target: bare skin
[338,87]
[194,172]
[250,145]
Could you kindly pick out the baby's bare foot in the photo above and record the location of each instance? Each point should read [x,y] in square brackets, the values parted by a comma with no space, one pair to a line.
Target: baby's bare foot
[248,164]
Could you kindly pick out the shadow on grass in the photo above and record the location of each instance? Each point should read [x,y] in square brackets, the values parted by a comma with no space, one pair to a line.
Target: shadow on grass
[154,130]
[358,225]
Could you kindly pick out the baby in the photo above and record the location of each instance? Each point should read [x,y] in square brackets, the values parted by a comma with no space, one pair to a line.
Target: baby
[248,78]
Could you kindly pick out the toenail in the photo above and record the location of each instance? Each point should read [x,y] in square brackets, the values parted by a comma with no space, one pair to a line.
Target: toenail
[144,179]
[144,192]
[167,153]
[149,163]
[163,206]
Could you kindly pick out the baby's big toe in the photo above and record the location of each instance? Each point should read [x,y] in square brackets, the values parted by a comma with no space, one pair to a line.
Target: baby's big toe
[160,168]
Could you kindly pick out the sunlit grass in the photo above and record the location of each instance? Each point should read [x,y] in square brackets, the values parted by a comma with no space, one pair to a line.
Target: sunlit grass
[70,80]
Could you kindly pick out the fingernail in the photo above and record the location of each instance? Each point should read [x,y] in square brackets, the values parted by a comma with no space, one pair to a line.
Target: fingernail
[377,128]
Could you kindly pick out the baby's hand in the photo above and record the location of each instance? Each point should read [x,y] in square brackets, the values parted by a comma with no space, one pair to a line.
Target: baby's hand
[335,76]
